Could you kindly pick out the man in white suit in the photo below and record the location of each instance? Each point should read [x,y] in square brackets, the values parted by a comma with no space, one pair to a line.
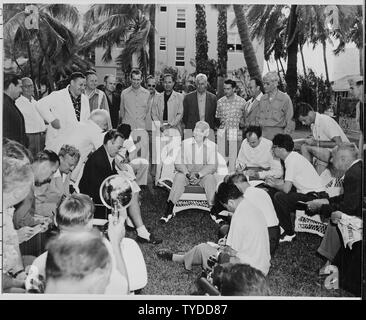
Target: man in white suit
[168,106]
[63,109]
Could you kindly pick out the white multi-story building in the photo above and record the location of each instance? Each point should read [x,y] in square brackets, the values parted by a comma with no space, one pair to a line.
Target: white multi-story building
[175,43]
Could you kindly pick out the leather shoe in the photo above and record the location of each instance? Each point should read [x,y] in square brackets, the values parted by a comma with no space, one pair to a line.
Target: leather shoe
[165,254]
[165,219]
[152,239]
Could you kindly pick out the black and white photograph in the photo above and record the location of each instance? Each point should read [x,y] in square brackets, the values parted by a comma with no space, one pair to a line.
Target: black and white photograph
[179,150]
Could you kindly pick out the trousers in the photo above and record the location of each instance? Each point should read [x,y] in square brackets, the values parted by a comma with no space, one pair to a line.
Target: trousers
[180,181]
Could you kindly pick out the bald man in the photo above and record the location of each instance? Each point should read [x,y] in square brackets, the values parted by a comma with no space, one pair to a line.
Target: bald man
[275,111]
[35,127]
[86,137]
[195,164]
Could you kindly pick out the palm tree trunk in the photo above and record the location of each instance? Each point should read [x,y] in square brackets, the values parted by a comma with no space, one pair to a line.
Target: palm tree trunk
[269,69]
[152,41]
[248,50]
[201,40]
[221,49]
[46,64]
[324,44]
[292,45]
[302,59]
[31,68]
[279,74]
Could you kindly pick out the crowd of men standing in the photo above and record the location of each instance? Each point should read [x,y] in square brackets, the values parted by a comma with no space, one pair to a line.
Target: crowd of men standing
[26,120]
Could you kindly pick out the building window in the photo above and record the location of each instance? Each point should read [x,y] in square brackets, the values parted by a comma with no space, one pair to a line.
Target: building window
[162,8]
[179,59]
[162,45]
[234,43]
[181,18]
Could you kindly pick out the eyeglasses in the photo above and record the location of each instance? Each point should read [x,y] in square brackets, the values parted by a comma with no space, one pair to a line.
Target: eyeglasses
[151,85]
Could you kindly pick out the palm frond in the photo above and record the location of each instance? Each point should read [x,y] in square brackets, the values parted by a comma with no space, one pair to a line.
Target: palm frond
[62,12]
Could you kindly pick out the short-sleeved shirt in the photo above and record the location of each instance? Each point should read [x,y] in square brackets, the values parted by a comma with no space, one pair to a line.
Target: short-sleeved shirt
[248,235]
[261,199]
[33,121]
[134,107]
[277,112]
[325,128]
[302,174]
[230,112]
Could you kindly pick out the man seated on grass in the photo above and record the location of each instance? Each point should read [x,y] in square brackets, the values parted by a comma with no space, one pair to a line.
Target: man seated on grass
[299,174]
[196,164]
[78,263]
[326,134]
[75,215]
[255,156]
[247,240]
[260,199]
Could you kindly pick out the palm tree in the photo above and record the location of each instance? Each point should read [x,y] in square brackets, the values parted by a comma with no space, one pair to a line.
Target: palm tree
[201,40]
[53,41]
[248,50]
[128,25]
[351,20]
[221,48]
[292,44]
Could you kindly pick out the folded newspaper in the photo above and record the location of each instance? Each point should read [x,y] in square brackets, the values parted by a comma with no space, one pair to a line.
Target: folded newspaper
[351,229]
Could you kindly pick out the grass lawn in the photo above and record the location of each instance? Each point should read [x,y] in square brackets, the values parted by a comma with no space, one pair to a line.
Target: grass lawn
[294,268]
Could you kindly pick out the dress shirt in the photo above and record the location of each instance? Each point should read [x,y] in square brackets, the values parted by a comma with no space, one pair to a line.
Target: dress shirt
[230,112]
[201,105]
[277,112]
[33,120]
[192,153]
[165,113]
[302,174]
[250,102]
[248,235]
[260,156]
[325,128]
[134,107]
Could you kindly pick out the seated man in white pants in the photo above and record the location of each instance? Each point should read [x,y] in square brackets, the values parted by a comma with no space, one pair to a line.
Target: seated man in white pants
[128,152]
[75,214]
[326,134]
[195,164]
[247,240]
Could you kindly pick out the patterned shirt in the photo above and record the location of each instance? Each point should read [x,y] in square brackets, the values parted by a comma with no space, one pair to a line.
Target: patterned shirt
[76,102]
[230,112]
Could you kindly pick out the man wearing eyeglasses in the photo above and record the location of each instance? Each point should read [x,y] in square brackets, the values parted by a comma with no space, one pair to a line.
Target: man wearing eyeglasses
[35,127]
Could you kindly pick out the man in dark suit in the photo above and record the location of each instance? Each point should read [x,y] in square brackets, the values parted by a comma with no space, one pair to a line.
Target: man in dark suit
[199,105]
[252,105]
[114,100]
[349,203]
[13,120]
[101,165]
